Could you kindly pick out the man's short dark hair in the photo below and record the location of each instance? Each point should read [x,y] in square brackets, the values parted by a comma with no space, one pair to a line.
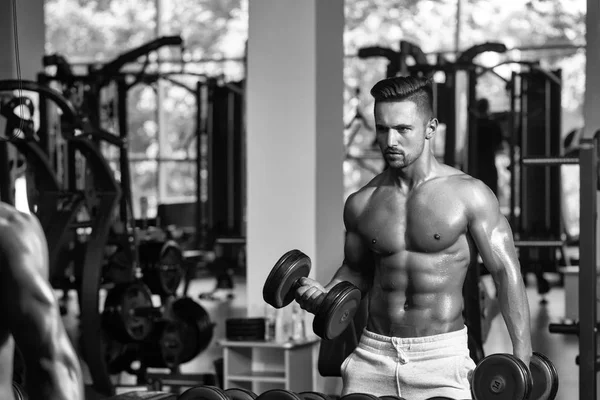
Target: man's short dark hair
[406,88]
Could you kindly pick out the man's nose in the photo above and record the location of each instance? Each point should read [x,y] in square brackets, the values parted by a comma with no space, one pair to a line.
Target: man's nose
[392,138]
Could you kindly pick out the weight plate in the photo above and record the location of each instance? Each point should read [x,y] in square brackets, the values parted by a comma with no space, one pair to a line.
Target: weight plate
[440,398]
[118,317]
[337,310]
[313,396]
[279,394]
[240,394]
[173,346]
[391,397]
[145,395]
[170,268]
[162,266]
[501,377]
[545,378]
[278,290]
[200,327]
[359,396]
[203,393]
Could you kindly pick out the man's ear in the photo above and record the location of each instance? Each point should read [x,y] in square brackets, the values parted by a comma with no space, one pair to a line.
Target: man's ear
[431,128]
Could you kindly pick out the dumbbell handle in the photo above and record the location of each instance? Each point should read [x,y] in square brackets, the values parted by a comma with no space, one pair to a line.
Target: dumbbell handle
[569,329]
[318,300]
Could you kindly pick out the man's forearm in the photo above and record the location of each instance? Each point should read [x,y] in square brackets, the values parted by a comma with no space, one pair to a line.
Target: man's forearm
[357,278]
[515,310]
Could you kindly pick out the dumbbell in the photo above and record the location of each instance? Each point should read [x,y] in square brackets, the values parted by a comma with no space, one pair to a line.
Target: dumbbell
[504,376]
[359,396]
[313,396]
[335,309]
[144,395]
[205,392]
[240,394]
[279,394]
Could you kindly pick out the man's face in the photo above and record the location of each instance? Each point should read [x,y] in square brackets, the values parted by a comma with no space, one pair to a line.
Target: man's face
[401,131]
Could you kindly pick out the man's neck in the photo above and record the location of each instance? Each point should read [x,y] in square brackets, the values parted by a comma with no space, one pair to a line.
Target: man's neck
[413,175]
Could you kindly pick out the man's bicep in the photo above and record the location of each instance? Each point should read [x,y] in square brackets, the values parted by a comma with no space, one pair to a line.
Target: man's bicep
[356,253]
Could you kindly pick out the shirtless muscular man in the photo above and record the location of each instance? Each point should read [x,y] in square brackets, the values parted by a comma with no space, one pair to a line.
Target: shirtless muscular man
[31,314]
[411,234]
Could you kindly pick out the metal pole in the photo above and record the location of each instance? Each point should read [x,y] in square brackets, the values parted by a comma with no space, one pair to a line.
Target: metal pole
[458,26]
[199,167]
[548,217]
[548,161]
[524,226]
[161,120]
[588,178]
[513,140]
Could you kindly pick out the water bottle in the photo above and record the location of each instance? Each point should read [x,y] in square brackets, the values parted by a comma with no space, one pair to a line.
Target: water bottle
[270,317]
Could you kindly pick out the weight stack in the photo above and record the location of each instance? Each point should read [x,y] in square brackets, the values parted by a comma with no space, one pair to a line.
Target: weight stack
[245,329]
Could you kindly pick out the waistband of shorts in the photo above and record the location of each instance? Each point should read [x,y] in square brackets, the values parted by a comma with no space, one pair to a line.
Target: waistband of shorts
[450,341]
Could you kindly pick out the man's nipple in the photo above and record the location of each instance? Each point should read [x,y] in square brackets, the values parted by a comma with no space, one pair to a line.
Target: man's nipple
[436,236]
[374,241]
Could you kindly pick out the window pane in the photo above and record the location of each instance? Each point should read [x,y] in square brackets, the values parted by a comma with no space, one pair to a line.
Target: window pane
[142,125]
[180,181]
[209,28]
[97,30]
[179,110]
[144,183]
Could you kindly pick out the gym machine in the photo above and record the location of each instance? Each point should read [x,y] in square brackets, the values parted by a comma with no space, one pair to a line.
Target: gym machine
[587,326]
[76,197]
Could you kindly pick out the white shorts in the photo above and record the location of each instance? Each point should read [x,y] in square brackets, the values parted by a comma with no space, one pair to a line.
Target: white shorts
[414,368]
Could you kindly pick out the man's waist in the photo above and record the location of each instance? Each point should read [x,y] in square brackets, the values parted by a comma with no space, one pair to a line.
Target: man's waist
[455,342]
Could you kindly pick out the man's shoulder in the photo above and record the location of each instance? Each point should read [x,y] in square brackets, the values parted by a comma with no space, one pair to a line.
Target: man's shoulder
[476,196]
[466,184]
[358,200]
[472,191]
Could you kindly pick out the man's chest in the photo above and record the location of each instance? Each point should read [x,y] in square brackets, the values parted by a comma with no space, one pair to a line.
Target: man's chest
[424,222]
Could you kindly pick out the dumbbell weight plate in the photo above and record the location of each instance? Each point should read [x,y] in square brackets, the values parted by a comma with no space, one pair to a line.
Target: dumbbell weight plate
[145,395]
[118,315]
[204,393]
[313,396]
[359,396]
[278,290]
[545,378]
[240,394]
[337,310]
[278,394]
[501,377]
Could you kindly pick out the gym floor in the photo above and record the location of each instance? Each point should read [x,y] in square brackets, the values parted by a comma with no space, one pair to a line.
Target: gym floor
[561,349]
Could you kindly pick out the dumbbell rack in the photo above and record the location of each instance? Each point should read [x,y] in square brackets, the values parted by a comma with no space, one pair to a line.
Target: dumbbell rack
[586,328]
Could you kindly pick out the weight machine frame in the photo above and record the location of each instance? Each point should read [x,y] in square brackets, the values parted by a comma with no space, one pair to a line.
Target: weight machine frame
[107,190]
[587,326]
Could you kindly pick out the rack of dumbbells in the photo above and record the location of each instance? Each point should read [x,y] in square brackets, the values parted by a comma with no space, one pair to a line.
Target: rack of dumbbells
[132,318]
